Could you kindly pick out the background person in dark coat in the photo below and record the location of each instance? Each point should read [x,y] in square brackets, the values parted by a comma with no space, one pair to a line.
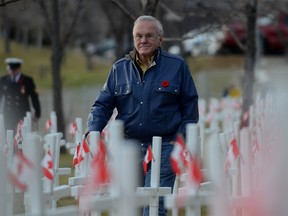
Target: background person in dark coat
[15,91]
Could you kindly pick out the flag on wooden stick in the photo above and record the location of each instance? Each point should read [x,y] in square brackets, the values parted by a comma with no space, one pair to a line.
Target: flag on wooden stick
[48,125]
[233,153]
[47,165]
[147,159]
[20,171]
[178,155]
[18,136]
[100,174]
[73,129]
[81,150]
[194,171]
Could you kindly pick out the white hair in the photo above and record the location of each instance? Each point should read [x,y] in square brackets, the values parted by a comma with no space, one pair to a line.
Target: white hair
[150,19]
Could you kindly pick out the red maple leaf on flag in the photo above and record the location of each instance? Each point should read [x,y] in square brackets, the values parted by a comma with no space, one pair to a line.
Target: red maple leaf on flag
[75,157]
[245,116]
[100,174]
[20,171]
[18,136]
[81,150]
[148,157]
[194,170]
[177,157]
[233,153]
[73,129]
[48,125]
[47,165]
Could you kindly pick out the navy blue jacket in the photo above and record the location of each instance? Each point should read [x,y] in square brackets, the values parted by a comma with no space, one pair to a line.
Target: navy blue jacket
[159,104]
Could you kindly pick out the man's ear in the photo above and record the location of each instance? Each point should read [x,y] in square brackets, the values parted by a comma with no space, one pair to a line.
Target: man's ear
[161,40]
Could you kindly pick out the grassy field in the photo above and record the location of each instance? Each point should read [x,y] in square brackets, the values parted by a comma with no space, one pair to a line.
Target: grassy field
[74,71]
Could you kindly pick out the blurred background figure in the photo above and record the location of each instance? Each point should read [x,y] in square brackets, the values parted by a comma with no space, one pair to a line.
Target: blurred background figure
[232,91]
[15,91]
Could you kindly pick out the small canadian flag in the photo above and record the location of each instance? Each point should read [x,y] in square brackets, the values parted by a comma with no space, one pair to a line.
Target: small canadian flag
[233,153]
[148,157]
[76,153]
[194,171]
[20,171]
[178,155]
[48,124]
[245,116]
[47,165]
[80,152]
[18,136]
[100,174]
[73,129]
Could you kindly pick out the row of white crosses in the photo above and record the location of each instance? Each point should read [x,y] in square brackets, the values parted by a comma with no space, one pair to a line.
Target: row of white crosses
[123,199]
[189,196]
[9,142]
[225,157]
[116,138]
[215,170]
[50,164]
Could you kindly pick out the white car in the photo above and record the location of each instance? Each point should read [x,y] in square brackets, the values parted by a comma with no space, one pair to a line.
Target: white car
[203,42]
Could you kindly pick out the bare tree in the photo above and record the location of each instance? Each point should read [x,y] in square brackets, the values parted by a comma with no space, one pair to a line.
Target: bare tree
[59,39]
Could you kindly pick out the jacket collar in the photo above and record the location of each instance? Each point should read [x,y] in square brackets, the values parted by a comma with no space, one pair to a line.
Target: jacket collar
[132,54]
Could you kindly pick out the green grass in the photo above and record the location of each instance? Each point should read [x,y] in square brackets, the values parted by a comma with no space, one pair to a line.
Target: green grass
[66,161]
[210,63]
[73,72]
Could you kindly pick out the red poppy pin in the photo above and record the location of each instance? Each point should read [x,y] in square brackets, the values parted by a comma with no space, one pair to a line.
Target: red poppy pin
[165,83]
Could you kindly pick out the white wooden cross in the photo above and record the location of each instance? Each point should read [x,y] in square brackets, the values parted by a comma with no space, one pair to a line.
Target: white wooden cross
[155,191]
[191,197]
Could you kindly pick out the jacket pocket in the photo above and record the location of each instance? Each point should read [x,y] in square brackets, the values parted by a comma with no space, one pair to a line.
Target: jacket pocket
[124,100]
[172,88]
[121,90]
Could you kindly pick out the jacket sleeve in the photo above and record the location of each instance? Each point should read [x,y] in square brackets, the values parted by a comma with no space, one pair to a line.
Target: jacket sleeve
[103,106]
[35,99]
[188,100]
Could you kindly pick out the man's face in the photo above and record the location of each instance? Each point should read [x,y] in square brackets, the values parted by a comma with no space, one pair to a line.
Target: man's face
[146,38]
[12,71]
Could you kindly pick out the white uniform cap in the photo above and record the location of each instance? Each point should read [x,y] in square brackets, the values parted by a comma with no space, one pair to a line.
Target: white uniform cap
[13,61]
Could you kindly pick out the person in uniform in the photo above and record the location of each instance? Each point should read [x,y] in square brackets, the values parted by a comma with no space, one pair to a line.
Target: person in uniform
[15,91]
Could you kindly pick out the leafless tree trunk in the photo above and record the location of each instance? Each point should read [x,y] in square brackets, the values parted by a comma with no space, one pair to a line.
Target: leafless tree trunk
[250,56]
[59,43]
[56,61]
[6,31]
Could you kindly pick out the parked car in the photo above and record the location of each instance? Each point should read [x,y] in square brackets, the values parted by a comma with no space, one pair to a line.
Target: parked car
[203,42]
[273,34]
[105,48]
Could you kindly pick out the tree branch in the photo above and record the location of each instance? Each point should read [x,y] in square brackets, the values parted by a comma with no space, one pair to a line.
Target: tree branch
[43,7]
[73,23]
[4,3]
[123,9]
[236,38]
[203,30]
[228,28]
